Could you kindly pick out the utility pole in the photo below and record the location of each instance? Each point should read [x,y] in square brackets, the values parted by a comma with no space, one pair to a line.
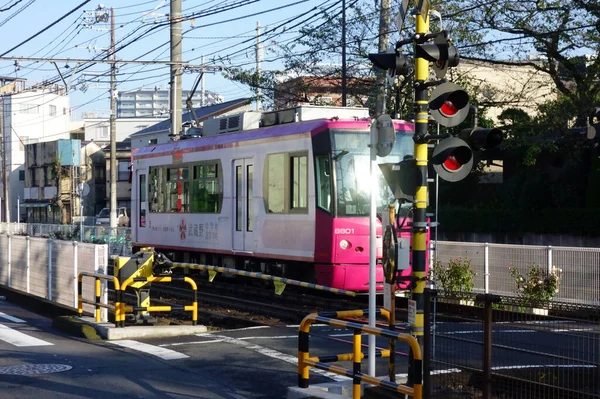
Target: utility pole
[176,68]
[384,23]
[202,84]
[344,83]
[113,125]
[258,60]
[3,142]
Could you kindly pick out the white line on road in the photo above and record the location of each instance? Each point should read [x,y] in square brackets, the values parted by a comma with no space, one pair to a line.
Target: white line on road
[166,354]
[277,355]
[18,338]
[481,332]
[11,318]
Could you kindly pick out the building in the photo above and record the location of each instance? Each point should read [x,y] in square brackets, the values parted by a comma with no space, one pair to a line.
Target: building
[516,85]
[93,173]
[51,171]
[156,103]
[123,156]
[98,128]
[321,91]
[159,133]
[27,115]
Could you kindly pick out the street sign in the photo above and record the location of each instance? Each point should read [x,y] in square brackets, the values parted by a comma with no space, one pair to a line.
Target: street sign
[83,189]
[401,16]
[412,312]
[423,8]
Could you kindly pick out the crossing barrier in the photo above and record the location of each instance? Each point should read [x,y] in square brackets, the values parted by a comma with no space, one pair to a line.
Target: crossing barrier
[305,361]
[279,282]
[98,294]
[120,321]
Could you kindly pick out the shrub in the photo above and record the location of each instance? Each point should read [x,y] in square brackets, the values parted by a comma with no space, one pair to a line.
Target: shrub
[457,277]
[538,287]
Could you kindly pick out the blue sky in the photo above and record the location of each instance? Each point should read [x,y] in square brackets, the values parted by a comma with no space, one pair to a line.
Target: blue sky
[229,33]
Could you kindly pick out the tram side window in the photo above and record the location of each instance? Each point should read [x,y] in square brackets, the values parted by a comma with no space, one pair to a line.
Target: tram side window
[323,182]
[299,173]
[155,189]
[276,183]
[177,190]
[207,191]
[286,183]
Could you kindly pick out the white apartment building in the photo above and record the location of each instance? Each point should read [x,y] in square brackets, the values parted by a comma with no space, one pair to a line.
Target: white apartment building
[27,115]
[97,129]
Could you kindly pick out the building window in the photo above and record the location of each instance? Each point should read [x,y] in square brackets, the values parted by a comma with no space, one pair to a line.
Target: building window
[52,110]
[21,175]
[103,130]
[64,111]
[153,141]
[123,170]
[29,108]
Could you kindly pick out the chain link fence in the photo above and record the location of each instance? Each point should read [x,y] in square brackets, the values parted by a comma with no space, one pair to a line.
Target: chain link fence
[501,347]
[118,239]
[578,268]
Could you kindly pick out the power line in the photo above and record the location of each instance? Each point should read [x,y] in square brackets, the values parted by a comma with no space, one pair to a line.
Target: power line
[46,28]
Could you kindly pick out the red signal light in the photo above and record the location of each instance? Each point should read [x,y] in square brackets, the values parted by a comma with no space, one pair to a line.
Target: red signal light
[448,109]
[452,164]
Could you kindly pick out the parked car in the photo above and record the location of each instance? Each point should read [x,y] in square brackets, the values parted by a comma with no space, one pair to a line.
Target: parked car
[103,218]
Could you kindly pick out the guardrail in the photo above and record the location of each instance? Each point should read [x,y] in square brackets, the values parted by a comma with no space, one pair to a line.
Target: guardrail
[98,294]
[120,321]
[279,282]
[305,361]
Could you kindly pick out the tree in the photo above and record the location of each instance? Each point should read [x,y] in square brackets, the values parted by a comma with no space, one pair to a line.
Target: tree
[565,34]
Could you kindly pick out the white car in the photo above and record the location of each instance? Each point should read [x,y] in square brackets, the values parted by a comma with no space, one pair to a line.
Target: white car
[103,218]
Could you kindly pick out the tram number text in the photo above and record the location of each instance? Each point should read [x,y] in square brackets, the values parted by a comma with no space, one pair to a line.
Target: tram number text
[343,231]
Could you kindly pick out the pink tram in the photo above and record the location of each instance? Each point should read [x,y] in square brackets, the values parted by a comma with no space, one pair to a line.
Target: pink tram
[259,194]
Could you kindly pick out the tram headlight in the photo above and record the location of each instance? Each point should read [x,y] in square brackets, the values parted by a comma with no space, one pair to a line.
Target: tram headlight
[344,244]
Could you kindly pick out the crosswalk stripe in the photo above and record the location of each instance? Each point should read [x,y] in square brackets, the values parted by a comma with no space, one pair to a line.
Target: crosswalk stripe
[11,318]
[18,338]
[163,353]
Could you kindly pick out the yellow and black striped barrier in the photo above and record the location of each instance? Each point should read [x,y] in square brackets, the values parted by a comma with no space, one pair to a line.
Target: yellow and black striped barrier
[279,282]
[98,293]
[120,322]
[305,361]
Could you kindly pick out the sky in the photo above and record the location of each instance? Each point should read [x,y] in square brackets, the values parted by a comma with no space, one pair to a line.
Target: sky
[224,31]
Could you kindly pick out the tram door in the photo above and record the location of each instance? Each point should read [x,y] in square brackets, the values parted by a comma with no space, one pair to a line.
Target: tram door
[243,217]
[141,205]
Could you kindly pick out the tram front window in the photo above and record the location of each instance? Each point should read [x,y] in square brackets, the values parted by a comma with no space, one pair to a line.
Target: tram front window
[353,177]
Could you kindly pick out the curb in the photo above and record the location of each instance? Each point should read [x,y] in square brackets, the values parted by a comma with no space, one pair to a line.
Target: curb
[72,326]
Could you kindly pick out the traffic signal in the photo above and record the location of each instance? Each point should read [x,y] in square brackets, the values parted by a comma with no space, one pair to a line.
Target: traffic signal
[441,52]
[392,61]
[449,104]
[482,138]
[452,159]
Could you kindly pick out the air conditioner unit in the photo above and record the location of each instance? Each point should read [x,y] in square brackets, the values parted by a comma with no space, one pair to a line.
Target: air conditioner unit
[231,123]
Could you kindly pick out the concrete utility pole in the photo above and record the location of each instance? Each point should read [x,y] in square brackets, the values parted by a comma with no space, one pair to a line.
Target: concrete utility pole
[3,141]
[176,37]
[258,61]
[202,84]
[113,125]
[384,23]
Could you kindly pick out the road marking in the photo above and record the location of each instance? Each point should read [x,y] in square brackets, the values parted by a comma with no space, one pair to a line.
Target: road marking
[277,355]
[165,354]
[11,318]
[17,338]
[312,325]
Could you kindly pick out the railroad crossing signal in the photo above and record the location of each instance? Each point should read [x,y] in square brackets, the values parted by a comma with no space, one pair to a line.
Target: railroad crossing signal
[449,104]
[395,63]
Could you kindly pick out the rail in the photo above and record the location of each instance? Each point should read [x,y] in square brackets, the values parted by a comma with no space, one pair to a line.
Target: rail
[279,282]
[120,322]
[305,361]
[98,293]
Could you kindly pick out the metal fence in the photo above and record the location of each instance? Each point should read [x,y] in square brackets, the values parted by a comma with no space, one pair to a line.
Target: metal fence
[117,239]
[48,268]
[578,268]
[499,348]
